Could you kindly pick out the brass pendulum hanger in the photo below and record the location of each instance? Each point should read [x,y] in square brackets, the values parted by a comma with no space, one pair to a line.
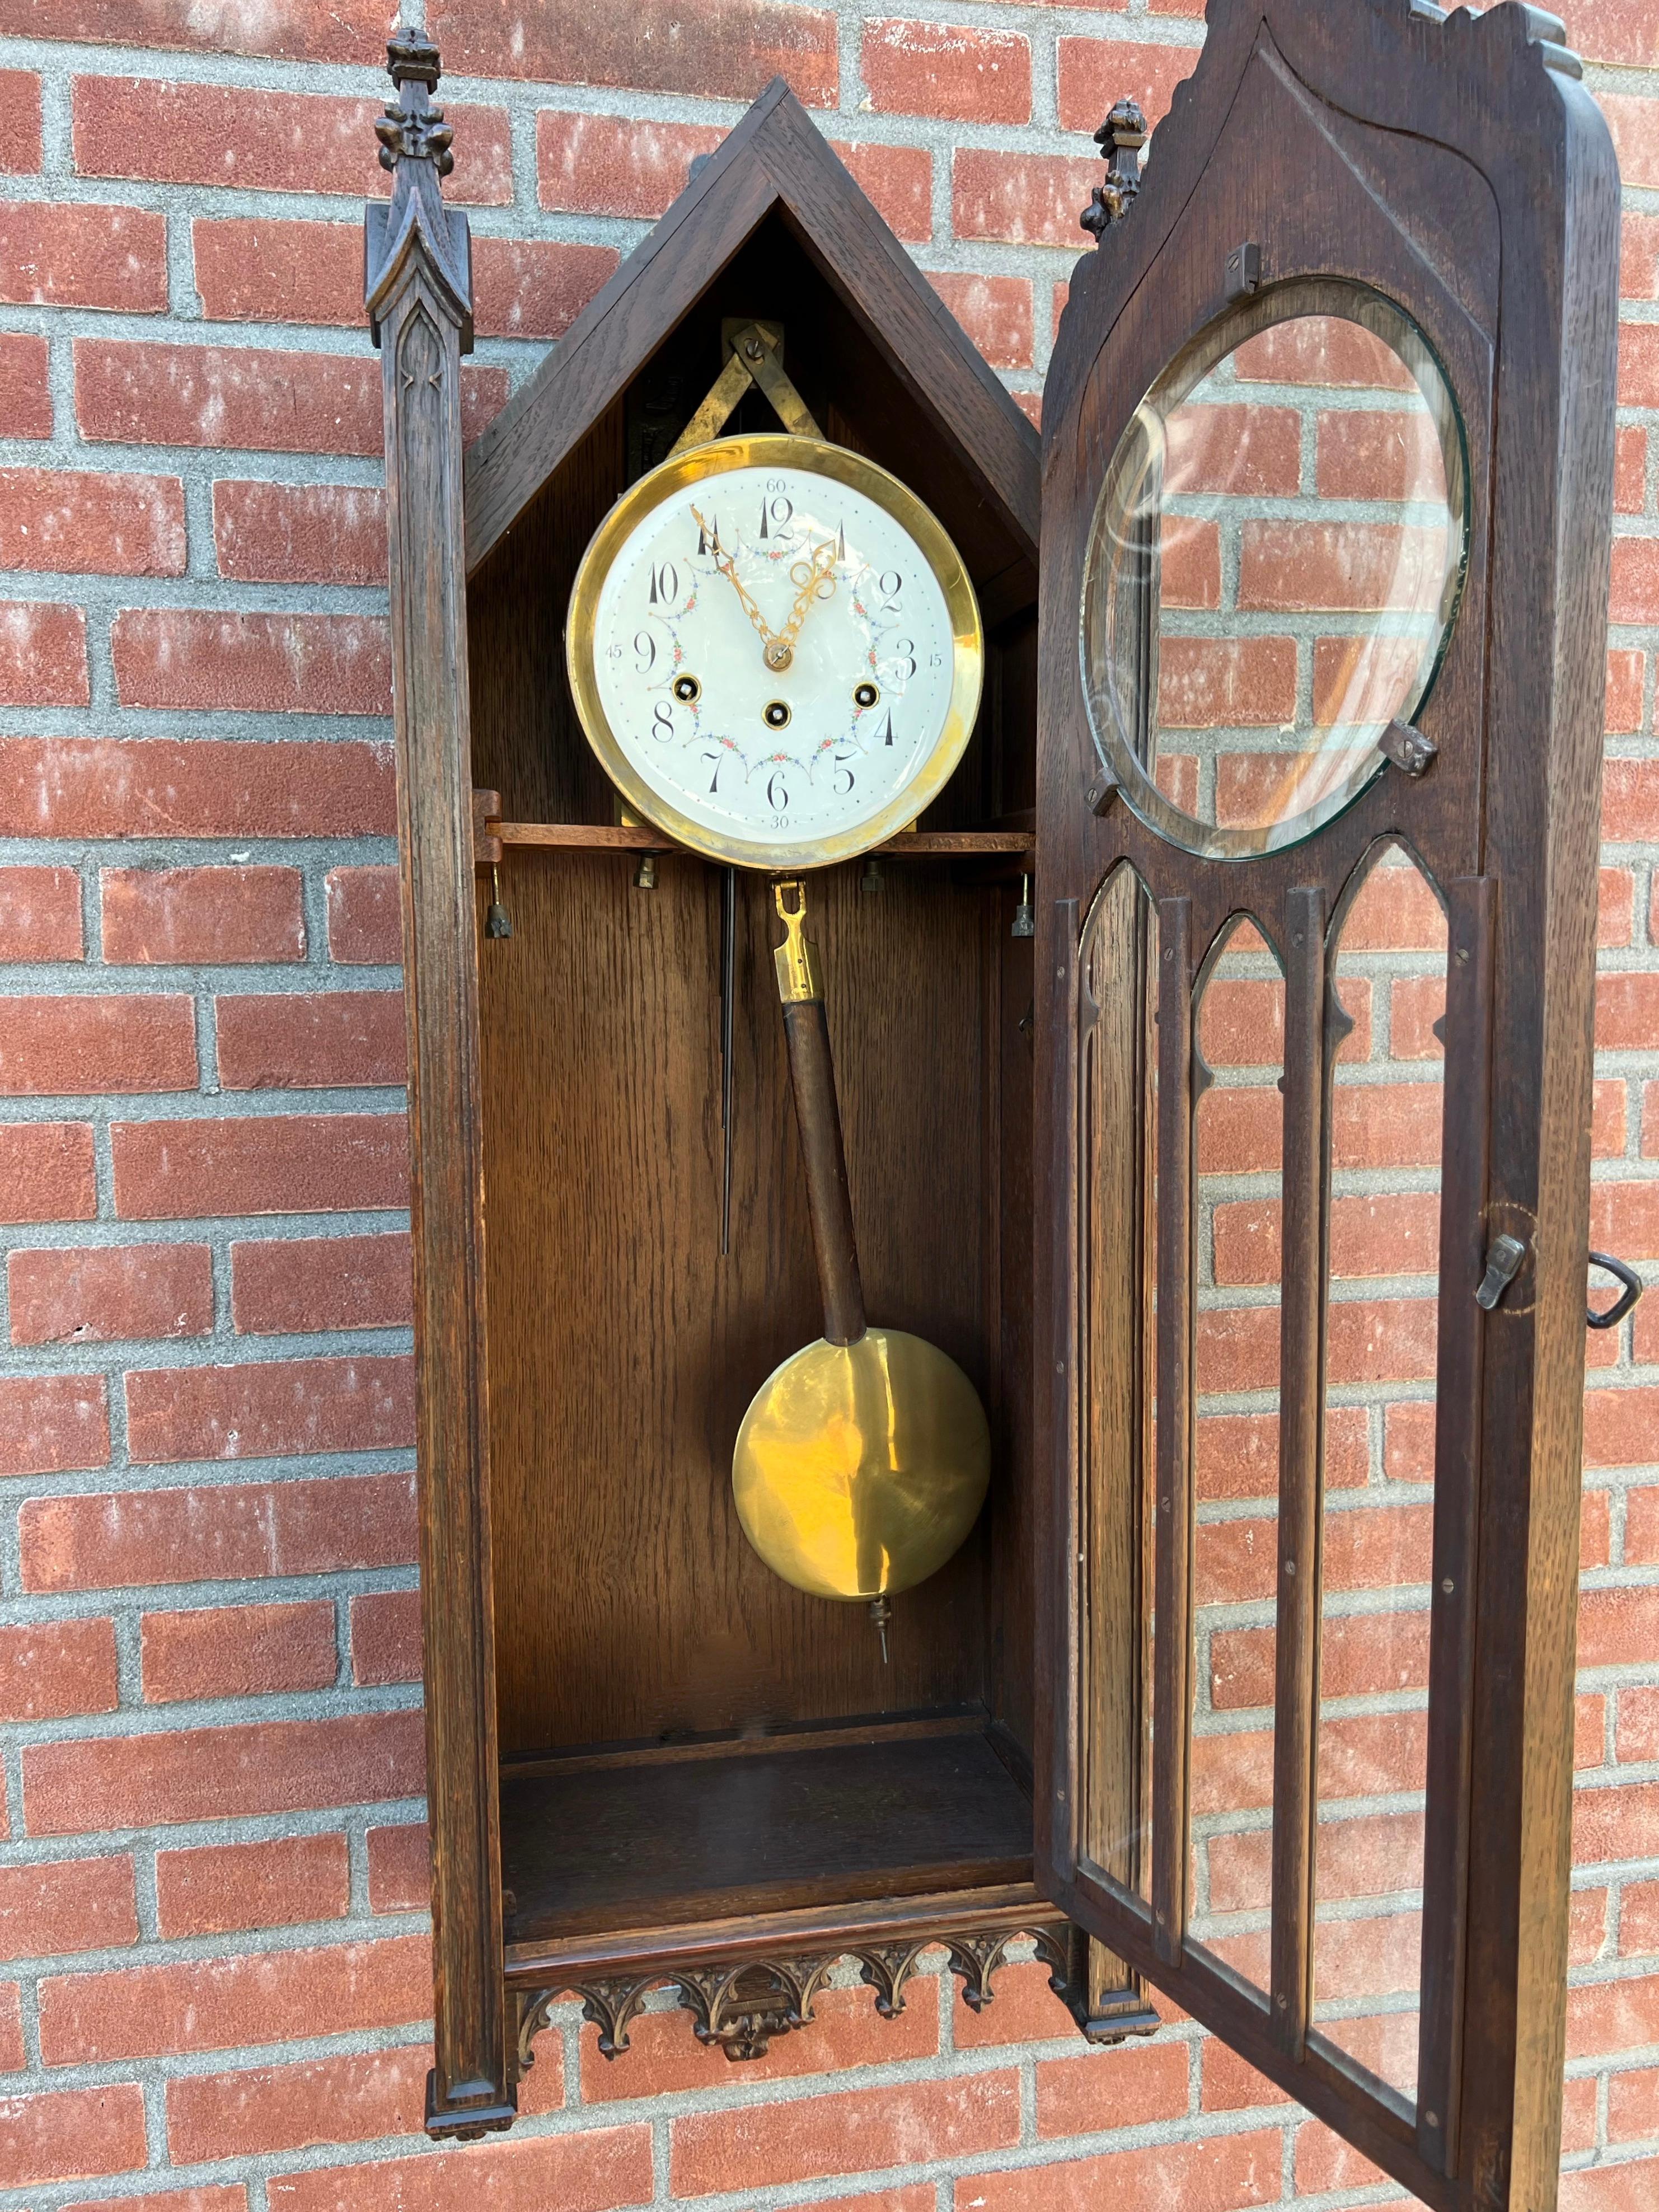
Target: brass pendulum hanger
[755,362]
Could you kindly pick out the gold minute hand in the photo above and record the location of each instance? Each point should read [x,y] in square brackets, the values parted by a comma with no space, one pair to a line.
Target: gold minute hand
[770,644]
[819,571]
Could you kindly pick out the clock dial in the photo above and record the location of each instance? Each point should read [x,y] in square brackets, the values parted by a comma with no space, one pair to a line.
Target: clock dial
[776,651]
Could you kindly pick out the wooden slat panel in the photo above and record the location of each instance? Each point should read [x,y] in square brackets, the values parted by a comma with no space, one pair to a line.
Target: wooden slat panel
[1301,1428]
[1172,1697]
[1465,1164]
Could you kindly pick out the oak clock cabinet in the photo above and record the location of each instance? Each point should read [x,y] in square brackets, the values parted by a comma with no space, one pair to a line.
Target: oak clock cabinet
[1213,1056]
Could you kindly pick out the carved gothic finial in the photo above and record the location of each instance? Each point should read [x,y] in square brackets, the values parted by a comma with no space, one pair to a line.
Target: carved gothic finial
[415,147]
[1121,138]
[414,131]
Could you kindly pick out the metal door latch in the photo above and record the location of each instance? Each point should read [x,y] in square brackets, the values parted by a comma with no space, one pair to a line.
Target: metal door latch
[1609,1316]
[1503,1258]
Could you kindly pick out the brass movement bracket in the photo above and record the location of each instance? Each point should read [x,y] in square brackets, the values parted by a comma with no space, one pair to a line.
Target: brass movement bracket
[755,358]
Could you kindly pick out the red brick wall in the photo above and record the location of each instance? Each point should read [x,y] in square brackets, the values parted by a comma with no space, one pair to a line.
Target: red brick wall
[212,1886]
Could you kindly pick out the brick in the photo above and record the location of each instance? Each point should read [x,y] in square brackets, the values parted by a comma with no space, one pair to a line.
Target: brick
[87,1044]
[67,2135]
[46,1172]
[225,1532]
[1638,1733]
[994,311]
[1624,1219]
[400,1870]
[592,2171]
[1025,2010]
[1020,199]
[321,1039]
[1227,2083]
[212,2004]
[1095,72]
[856,2131]
[1322,349]
[365,925]
[615,164]
[103,1294]
[227,2198]
[287,30]
[1635,593]
[1615,902]
[1219,2175]
[1324,2161]
[527,288]
[279,533]
[67,254]
[1623,2188]
[1206,683]
[1639,262]
[298,1285]
[1385,1125]
[1621,1427]
[1365,1757]
[1642,1528]
[282,141]
[209,916]
[52,1668]
[258,1164]
[252,396]
[1362,454]
[1091,2091]
[664,2059]
[1639,1918]
[43,654]
[1613,30]
[221,1888]
[946,69]
[53,1423]
[1638,365]
[1309,566]
[238,1650]
[63,1906]
[1630,120]
[200,788]
[1633,2104]
[99,1782]
[1630,472]
[1629,801]
[262,269]
[272,1409]
[25,394]
[1364,1655]
[1249,451]
[13,2057]
[1396,911]
[40,914]
[1238,1454]
[721,49]
[77,521]
[176,657]
[19,101]
[1607,2017]
[344,2099]
[1622,711]
[386,1637]
[1617,1627]
[898,180]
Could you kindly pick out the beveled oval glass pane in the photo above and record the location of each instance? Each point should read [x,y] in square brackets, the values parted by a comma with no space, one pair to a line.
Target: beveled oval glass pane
[1274,567]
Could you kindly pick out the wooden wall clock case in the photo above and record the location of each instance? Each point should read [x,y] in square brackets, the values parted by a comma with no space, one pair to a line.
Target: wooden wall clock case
[651,1762]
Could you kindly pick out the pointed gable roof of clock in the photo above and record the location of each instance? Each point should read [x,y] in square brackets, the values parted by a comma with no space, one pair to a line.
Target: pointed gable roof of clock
[774,161]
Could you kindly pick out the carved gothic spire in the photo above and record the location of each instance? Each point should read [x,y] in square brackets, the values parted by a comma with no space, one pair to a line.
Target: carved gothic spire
[1121,138]
[414,146]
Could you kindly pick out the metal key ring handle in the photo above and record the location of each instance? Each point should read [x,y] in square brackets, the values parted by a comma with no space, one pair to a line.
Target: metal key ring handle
[1626,1298]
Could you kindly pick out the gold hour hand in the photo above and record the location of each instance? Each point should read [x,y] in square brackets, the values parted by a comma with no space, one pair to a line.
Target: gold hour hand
[771,645]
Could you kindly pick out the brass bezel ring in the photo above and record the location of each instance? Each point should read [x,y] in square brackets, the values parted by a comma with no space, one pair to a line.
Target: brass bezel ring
[814,457]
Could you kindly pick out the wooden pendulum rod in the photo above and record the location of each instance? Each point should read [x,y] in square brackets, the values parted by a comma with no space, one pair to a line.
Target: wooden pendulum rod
[728,965]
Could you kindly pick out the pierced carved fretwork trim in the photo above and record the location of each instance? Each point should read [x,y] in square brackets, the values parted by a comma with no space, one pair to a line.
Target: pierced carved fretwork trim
[742,2005]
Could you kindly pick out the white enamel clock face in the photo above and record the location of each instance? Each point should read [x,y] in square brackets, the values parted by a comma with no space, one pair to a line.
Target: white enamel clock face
[775,650]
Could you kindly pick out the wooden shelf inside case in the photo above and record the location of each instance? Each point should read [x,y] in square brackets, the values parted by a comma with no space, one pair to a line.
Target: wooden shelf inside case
[611,1840]
[641,837]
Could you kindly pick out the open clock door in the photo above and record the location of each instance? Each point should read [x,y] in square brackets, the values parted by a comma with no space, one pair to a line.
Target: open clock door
[1329,453]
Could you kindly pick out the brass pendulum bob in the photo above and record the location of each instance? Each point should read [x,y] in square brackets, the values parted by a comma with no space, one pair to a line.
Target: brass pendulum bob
[862,1462]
